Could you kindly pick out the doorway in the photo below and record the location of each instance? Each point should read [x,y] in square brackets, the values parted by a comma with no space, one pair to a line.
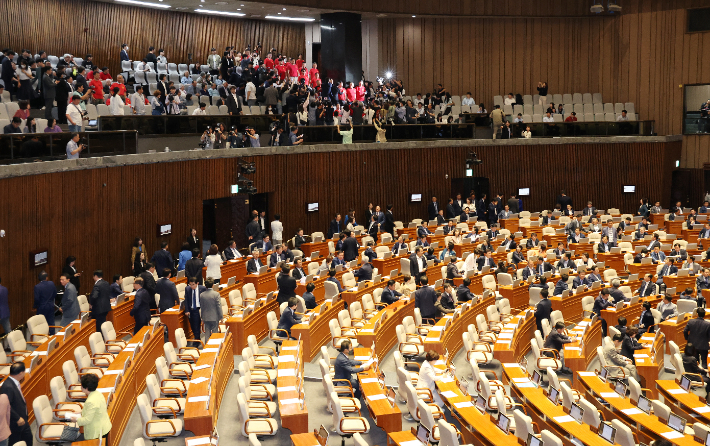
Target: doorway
[315,56]
[224,219]
[466,185]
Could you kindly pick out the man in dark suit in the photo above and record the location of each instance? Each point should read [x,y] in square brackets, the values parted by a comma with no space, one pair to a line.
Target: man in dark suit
[440,219]
[333,279]
[563,200]
[193,267]
[298,271]
[364,272]
[19,422]
[493,232]
[373,227]
[509,243]
[335,226]
[253,230]
[162,259]
[486,260]
[590,210]
[400,245]
[450,210]
[350,247]
[529,270]
[275,256]
[604,246]
[610,233]
[264,244]
[192,305]
[339,259]
[289,318]
[647,287]
[561,285]
[344,367]
[493,211]
[233,106]
[433,209]
[566,262]
[697,332]
[388,224]
[254,263]
[543,309]
[417,265]
[231,252]
[286,285]
[45,295]
[702,283]
[100,299]
[116,286]
[424,299]
[194,241]
[513,204]
[422,242]
[458,204]
[423,231]
[369,252]
[167,291]
[668,270]
[533,241]
[463,292]
[543,266]
[141,306]
[149,284]
[580,280]
[389,294]
[299,239]
[678,253]
[481,208]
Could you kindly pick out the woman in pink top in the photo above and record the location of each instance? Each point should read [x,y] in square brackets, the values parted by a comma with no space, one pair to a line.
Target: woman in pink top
[360,92]
[4,420]
[24,111]
[350,91]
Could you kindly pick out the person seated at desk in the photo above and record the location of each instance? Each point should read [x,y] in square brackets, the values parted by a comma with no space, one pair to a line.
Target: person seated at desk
[678,253]
[643,223]
[667,308]
[116,286]
[254,263]
[593,275]
[332,278]
[704,234]
[441,309]
[369,253]
[566,262]
[692,369]
[509,243]
[400,247]
[604,247]
[621,325]
[601,303]
[647,288]
[463,292]
[530,269]
[625,224]
[691,265]
[308,296]
[576,237]
[431,256]
[687,294]
[94,413]
[561,285]
[335,226]
[264,244]
[642,255]
[299,239]
[615,292]
[289,318]
[676,215]
[610,233]
[449,228]
[556,341]
[452,271]
[474,234]
[286,285]
[518,255]
[298,272]
[668,270]
[422,242]
[613,357]
[505,213]
[702,283]
[630,344]
[231,252]
[542,283]
[440,219]
[339,243]
[533,241]
[423,231]
[275,256]
[576,223]
[655,242]
[594,226]
[286,254]
[640,234]
[585,260]
[389,294]
[560,250]
[580,280]
[657,256]
[344,368]
[486,260]
[493,232]
[449,251]
[364,273]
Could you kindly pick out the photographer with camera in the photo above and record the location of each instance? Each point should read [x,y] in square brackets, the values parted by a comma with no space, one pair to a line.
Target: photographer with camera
[75,115]
[73,147]
[207,139]
[172,106]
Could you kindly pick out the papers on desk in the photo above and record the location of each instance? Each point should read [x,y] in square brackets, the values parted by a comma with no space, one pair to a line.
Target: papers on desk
[367,330]
[379,396]
[505,336]
[129,349]
[200,367]
[437,328]
[368,363]
[510,326]
[352,289]
[702,409]
[526,385]
[362,358]
[411,443]
[640,361]
[287,358]
[586,373]
[609,395]
[672,435]
[439,362]
[289,347]
[113,372]
[521,380]
[632,411]
[134,344]
[210,350]
[197,441]
[197,399]
[573,348]
[171,310]
[511,364]
[369,380]
[463,404]
[291,401]
[201,379]
[503,341]
[583,323]
[36,353]
[77,321]
[286,389]
[105,389]
[446,380]
[61,333]
[449,394]
[287,372]
[640,355]
[676,391]
[564,419]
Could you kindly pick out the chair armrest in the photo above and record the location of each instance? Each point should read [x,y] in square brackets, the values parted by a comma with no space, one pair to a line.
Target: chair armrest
[271,336]
[174,400]
[260,375]
[427,392]
[353,401]
[484,344]
[364,424]
[268,347]
[263,387]
[165,409]
[413,364]
[55,326]
[413,335]
[263,355]
[159,422]
[34,344]
[40,335]
[246,426]
[48,439]
[556,353]
[178,372]
[700,377]
[262,404]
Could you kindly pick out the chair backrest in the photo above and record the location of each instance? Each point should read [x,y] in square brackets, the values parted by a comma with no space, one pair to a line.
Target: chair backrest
[71,376]
[37,328]
[244,387]
[550,439]
[356,310]
[344,319]
[587,303]
[59,391]
[538,338]
[96,343]
[523,425]
[144,409]
[108,331]
[151,383]
[412,399]
[16,341]
[624,436]
[567,395]
[349,280]
[425,415]
[248,292]
[591,414]
[42,410]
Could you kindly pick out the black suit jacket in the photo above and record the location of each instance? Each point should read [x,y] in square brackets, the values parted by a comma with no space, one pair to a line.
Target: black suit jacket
[297,273]
[288,319]
[233,106]
[433,210]
[335,227]
[414,265]
[450,211]
[188,296]
[193,268]
[287,287]
[168,294]
[388,296]
[100,298]
[698,332]
[364,272]
[253,230]
[350,249]
[424,299]
[388,225]
[194,243]
[252,267]
[543,310]
[141,308]
[18,406]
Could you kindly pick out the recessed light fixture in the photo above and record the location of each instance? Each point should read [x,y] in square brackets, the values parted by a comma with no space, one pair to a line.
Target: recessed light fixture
[284,9]
[293,19]
[413,16]
[209,11]
[139,3]
[279,13]
[221,3]
[239,9]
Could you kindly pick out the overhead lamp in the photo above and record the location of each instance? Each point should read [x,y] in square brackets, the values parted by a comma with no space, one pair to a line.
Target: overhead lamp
[613,6]
[291,19]
[597,7]
[209,11]
[139,3]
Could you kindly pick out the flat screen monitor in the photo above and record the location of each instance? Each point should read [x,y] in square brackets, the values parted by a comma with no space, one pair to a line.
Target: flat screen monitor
[533,440]
[312,207]
[165,229]
[607,432]
[676,423]
[553,395]
[620,389]
[524,191]
[503,422]
[685,383]
[576,412]
[38,258]
[235,188]
[481,404]
[536,377]
[644,404]
[629,189]
[603,374]
[422,434]
[707,440]
[415,198]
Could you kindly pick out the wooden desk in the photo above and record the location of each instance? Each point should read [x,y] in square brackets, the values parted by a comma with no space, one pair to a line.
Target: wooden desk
[649,362]
[680,283]
[518,296]
[36,382]
[351,296]
[255,324]
[451,339]
[120,315]
[201,416]
[174,318]
[511,224]
[316,333]
[386,417]
[641,269]
[686,404]
[613,261]
[310,248]
[397,438]
[519,345]
[384,266]
[263,283]
[647,427]
[578,359]
[658,219]
[132,383]
[385,337]
[675,227]
[673,331]
[630,312]
[308,439]
[293,417]
[232,268]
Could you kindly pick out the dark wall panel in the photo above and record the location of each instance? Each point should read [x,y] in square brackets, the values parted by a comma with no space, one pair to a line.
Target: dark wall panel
[95,214]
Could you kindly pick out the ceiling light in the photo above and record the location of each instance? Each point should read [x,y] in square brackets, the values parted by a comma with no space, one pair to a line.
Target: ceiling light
[239,9]
[136,2]
[221,3]
[279,13]
[284,9]
[293,19]
[413,16]
[597,7]
[209,11]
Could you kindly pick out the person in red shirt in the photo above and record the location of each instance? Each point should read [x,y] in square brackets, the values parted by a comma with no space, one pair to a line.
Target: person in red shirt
[292,71]
[313,71]
[303,77]
[105,75]
[316,82]
[97,89]
[281,70]
[360,92]
[350,91]
[572,117]
[121,87]
[269,62]
[342,96]
[299,62]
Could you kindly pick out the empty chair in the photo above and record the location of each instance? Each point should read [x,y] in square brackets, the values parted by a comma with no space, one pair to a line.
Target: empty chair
[256,408]
[100,356]
[259,374]
[609,117]
[428,414]
[578,108]
[550,439]
[85,362]
[72,382]
[60,398]
[186,353]
[527,109]
[346,427]
[262,360]
[587,98]
[618,107]
[168,385]
[337,335]
[588,108]
[276,335]
[113,344]
[160,404]
[567,98]
[517,109]
[38,329]
[480,352]
[597,98]
[537,118]
[577,98]
[48,430]
[541,363]
[508,109]
[400,362]
[256,426]
[629,107]
[557,98]
[155,430]
[599,117]
[407,348]
[178,367]
[259,390]
[598,108]
[503,407]
[347,402]
[527,117]
[608,107]
[538,109]
[498,100]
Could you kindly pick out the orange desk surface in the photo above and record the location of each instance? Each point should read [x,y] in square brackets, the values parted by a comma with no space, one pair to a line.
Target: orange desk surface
[451,339]
[201,416]
[386,417]
[254,324]
[350,295]
[647,427]
[120,315]
[308,439]
[686,404]
[578,358]
[519,345]
[385,335]
[316,332]
[263,283]
[293,417]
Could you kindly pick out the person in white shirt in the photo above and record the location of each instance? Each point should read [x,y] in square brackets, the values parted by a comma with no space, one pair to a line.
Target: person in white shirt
[250,93]
[527,133]
[200,110]
[161,57]
[470,263]
[418,100]
[510,100]
[468,100]
[548,118]
[143,66]
[277,229]
[428,375]
[622,116]
[138,101]
[115,107]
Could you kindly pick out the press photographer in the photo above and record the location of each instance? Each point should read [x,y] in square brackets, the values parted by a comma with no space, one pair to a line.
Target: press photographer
[74,147]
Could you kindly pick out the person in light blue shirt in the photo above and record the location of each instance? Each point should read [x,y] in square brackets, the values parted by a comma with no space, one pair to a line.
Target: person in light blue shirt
[186,79]
[519,119]
[184,256]
[73,147]
[213,91]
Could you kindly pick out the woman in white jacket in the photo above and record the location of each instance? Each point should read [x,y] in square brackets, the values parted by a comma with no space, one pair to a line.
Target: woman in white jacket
[213,262]
[428,375]
[115,107]
[277,230]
